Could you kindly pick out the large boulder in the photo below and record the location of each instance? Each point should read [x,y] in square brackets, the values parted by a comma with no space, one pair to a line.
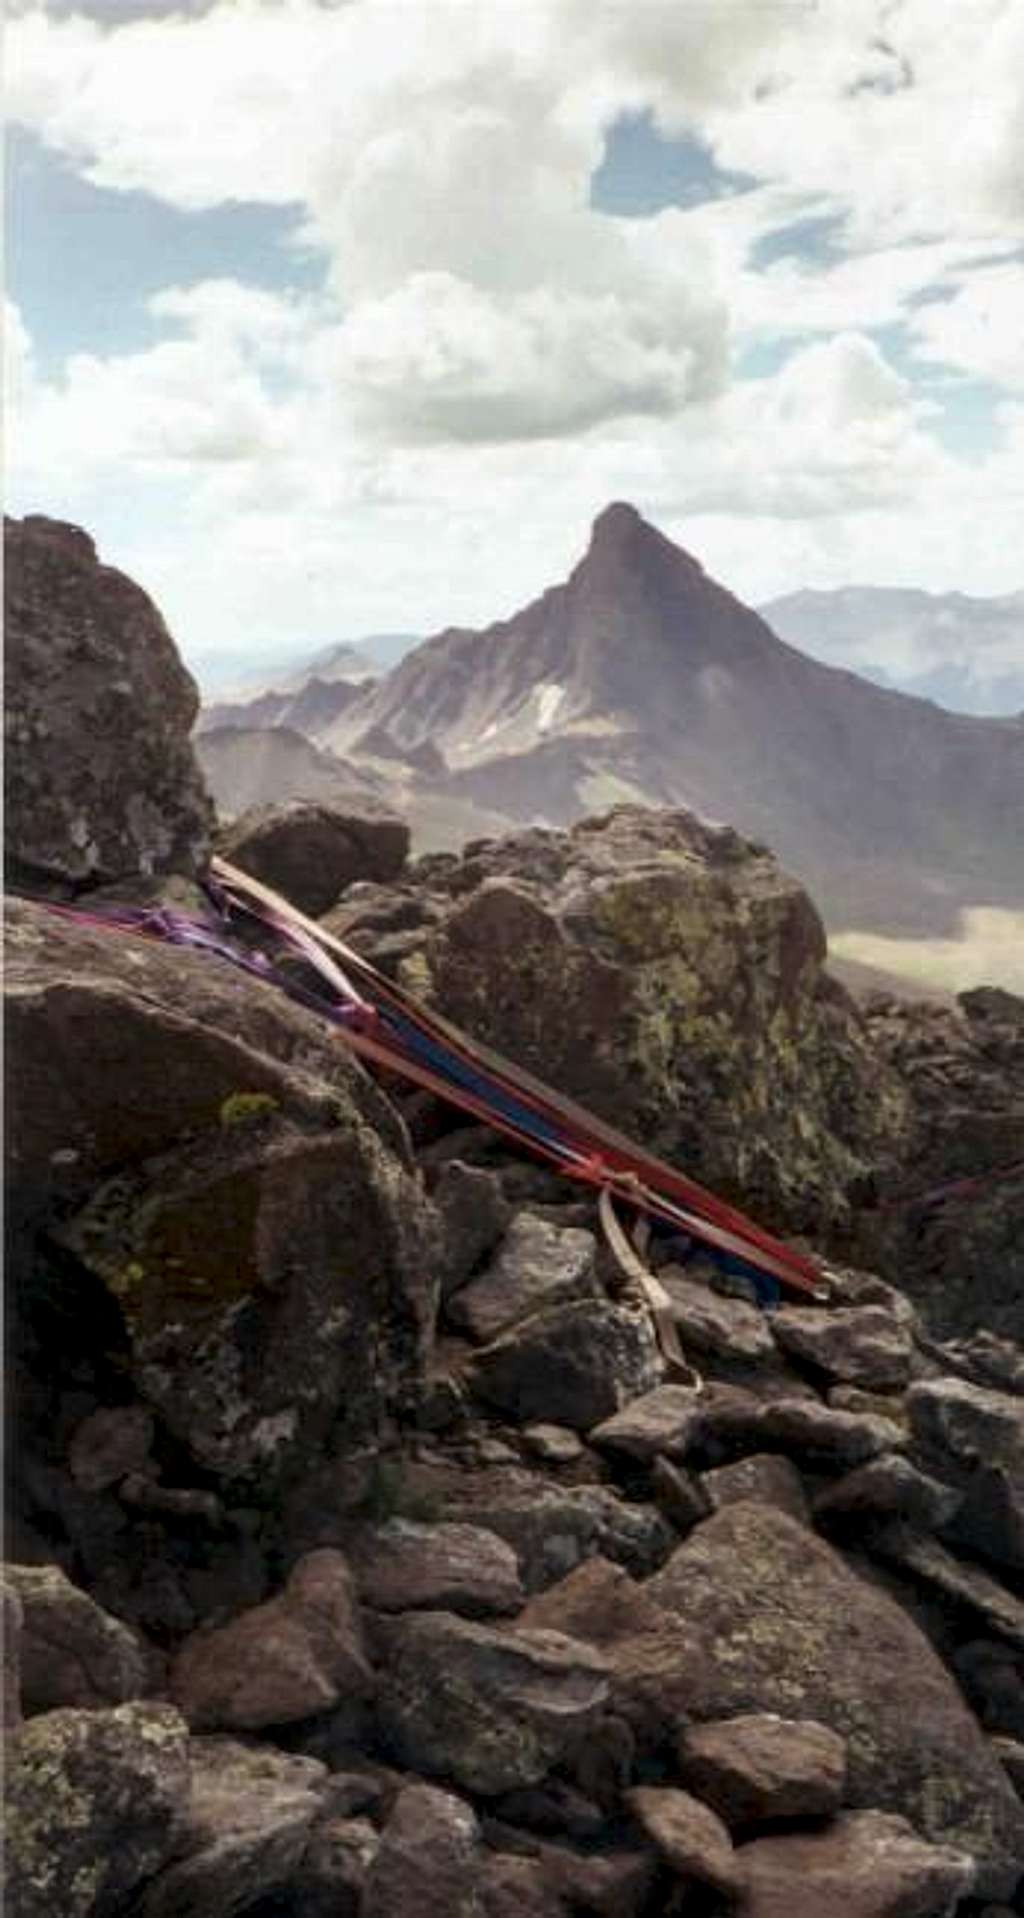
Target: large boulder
[210,1154]
[866,1865]
[769,1618]
[690,967]
[72,1651]
[101,780]
[310,850]
[96,1804]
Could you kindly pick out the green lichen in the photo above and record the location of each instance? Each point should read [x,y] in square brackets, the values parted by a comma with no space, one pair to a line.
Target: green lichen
[247,1108]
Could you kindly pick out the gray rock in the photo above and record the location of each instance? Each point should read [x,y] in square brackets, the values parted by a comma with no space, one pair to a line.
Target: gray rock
[72,1652]
[958,1584]
[865,1864]
[762,1479]
[861,1345]
[110,1444]
[689,1835]
[666,1420]
[552,1528]
[310,850]
[491,1709]
[680,1495]
[768,1618]
[101,780]
[298,1654]
[975,1438]
[757,1767]
[96,1803]
[710,1322]
[474,1215]
[888,1487]
[404,1566]
[823,1436]
[572,1364]
[538,1264]
[429,1858]
[249,1816]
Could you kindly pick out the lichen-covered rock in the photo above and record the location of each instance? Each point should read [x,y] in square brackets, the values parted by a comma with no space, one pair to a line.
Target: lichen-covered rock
[96,1804]
[538,1264]
[571,1364]
[763,1478]
[691,963]
[298,1654]
[757,1767]
[72,1652]
[233,1178]
[865,1864]
[403,1566]
[769,1618]
[248,1818]
[491,1709]
[429,1858]
[101,780]
[310,851]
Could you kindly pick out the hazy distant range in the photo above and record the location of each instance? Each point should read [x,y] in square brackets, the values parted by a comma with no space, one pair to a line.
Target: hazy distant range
[639,678]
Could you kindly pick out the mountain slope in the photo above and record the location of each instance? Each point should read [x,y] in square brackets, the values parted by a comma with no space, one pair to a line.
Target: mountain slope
[964,652]
[641,678]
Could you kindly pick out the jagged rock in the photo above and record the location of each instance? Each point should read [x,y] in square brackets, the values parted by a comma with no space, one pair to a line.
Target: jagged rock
[689,1835]
[711,1322]
[297,1654]
[72,1652]
[428,1861]
[101,781]
[246,1204]
[758,1766]
[666,1420]
[769,1618]
[96,1802]
[571,1364]
[538,1265]
[688,959]
[474,1215]
[491,1709]
[680,1495]
[888,1487]
[862,1345]
[975,1438]
[10,1653]
[764,1478]
[110,1444]
[249,1815]
[553,1527]
[991,1606]
[404,1566]
[310,850]
[865,1864]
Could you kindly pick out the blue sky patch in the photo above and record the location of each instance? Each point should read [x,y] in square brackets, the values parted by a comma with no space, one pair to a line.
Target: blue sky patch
[642,172]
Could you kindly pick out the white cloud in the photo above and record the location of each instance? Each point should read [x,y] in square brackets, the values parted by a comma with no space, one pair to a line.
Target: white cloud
[978,327]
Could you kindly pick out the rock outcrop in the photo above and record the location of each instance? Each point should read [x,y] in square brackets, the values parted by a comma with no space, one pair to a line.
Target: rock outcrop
[311,852]
[101,782]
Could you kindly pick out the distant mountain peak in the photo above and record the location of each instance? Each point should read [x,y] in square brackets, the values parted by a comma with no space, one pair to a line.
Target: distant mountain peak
[620,533]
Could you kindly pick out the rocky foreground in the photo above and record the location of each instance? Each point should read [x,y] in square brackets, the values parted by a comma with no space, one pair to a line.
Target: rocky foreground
[362,1562]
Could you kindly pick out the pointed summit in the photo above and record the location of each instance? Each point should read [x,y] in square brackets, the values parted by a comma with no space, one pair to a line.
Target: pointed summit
[621,533]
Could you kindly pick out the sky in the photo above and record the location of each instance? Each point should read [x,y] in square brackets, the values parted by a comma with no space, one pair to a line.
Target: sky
[333,317]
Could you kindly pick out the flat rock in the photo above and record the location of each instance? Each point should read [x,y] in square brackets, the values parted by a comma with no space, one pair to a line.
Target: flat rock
[310,850]
[297,1654]
[665,1420]
[101,780]
[538,1264]
[710,1322]
[823,1436]
[96,1804]
[404,1566]
[72,1651]
[764,1478]
[689,1835]
[491,1709]
[429,1857]
[865,1864]
[860,1344]
[769,1618]
[571,1364]
[757,1767]
[249,1816]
